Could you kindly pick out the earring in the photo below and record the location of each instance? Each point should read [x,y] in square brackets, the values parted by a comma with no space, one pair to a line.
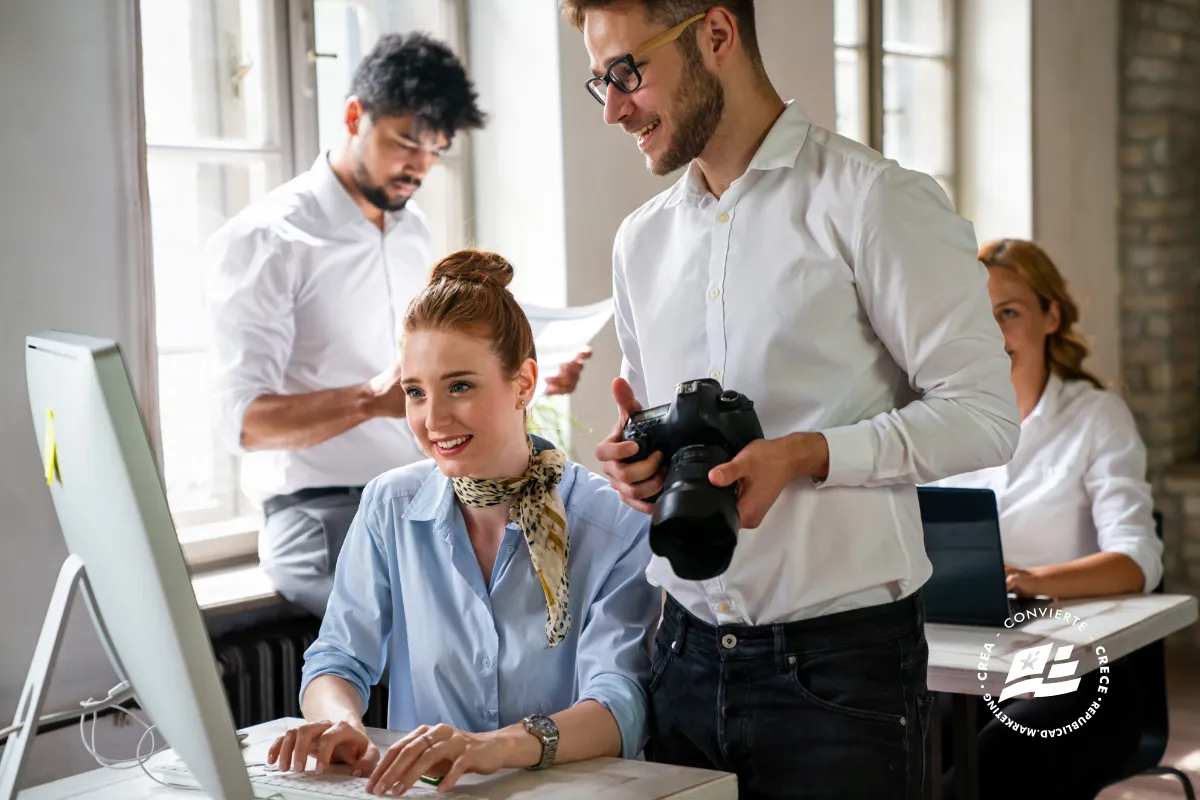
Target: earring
[522,402]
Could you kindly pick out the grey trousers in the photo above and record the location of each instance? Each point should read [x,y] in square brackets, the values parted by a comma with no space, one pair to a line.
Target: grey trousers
[298,548]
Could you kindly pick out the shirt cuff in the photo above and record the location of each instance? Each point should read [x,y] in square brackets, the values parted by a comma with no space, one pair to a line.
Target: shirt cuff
[626,702]
[851,455]
[317,669]
[1148,561]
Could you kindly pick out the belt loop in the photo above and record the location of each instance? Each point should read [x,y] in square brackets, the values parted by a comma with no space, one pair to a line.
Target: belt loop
[778,630]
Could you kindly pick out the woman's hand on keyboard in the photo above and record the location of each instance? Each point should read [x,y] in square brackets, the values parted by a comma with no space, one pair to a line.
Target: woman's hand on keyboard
[441,750]
[329,742]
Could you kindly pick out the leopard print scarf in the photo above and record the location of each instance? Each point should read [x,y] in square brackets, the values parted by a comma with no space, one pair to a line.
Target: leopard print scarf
[538,510]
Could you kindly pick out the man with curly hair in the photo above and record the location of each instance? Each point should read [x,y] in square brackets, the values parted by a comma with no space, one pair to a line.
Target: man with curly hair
[306,291]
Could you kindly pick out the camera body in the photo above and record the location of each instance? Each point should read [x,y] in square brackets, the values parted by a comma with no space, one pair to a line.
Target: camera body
[695,524]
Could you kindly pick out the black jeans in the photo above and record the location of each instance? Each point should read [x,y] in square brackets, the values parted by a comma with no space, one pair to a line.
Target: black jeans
[831,707]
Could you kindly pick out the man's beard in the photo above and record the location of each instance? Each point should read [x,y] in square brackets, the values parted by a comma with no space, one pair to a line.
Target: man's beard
[694,120]
[377,196]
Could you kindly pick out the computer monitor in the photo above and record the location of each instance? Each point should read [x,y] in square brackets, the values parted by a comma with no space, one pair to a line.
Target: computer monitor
[112,509]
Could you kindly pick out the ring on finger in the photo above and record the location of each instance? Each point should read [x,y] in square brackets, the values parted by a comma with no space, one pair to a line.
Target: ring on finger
[428,739]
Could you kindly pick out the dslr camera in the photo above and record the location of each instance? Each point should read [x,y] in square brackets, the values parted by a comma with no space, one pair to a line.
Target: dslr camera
[695,524]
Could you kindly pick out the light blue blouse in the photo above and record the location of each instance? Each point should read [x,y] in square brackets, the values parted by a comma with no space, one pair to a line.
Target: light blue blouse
[408,592]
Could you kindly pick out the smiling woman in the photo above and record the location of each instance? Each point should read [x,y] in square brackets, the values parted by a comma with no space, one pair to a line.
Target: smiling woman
[499,583]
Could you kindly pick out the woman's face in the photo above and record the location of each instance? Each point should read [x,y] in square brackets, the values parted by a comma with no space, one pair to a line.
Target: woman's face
[1024,325]
[463,410]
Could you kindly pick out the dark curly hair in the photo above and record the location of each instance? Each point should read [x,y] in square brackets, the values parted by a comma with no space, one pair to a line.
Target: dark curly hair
[416,75]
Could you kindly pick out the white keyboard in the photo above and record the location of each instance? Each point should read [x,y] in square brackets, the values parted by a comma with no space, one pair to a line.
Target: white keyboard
[270,783]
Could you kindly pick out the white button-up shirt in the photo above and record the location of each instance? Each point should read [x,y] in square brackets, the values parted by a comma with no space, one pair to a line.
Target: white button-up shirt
[305,294]
[841,294]
[1076,485]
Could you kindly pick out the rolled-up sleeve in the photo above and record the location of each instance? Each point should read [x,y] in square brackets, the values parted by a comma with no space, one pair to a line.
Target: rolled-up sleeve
[1122,506]
[354,635]
[613,666]
[925,294]
[249,299]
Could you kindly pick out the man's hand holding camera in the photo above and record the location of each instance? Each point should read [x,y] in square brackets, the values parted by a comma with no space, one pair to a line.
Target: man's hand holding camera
[640,479]
[765,466]
[760,469]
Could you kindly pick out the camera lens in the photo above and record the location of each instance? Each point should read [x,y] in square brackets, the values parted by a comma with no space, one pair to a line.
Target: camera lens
[695,523]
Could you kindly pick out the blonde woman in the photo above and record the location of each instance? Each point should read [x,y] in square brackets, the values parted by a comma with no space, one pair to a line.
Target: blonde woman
[1076,520]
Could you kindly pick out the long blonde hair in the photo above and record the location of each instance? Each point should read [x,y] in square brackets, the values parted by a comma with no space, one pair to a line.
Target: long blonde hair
[1065,348]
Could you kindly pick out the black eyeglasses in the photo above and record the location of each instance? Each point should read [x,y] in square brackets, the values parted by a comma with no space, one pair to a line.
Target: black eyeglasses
[623,73]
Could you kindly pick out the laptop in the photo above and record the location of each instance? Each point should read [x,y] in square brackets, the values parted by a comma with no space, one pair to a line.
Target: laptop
[962,540]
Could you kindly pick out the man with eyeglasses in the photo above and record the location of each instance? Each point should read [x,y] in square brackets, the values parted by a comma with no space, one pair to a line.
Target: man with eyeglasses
[306,294]
[841,293]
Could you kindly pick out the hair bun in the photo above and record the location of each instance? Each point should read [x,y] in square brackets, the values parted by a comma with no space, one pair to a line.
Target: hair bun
[474,266]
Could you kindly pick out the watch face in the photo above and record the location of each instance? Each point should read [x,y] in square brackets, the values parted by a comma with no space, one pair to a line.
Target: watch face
[544,726]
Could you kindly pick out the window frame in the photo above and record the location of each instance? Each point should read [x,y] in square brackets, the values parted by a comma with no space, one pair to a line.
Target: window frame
[870,52]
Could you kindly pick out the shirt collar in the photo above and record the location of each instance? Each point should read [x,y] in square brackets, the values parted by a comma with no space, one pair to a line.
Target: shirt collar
[332,196]
[435,499]
[779,150]
[1050,402]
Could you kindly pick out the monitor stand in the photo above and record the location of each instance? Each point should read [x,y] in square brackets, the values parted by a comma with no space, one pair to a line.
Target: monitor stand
[72,577]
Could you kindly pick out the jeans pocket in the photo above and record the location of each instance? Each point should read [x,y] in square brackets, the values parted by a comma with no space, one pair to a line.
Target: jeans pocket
[864,683]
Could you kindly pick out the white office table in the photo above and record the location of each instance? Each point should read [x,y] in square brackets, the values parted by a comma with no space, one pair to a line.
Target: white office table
[1118,625]
[598,779]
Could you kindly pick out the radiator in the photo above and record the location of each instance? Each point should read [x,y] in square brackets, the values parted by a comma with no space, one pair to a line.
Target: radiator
[260,670]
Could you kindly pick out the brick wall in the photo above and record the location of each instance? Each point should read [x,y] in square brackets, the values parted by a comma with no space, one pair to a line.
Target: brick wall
[1160,263]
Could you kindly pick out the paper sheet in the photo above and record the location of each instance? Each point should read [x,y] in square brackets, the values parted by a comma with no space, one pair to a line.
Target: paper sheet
[560,333]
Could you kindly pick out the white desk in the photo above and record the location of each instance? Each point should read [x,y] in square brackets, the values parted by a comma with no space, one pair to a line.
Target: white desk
[598,779]
[1119,625]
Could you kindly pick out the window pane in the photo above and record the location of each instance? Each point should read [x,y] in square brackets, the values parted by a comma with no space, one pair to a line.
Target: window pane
[848,22]
[189,199]
[916,25]
[849,93]
[441,198]
[206,71]
[196,469]
[916,114]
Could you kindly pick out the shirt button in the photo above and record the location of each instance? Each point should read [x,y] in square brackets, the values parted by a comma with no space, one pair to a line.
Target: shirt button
[723,608]
[487,663]
[729,641]
[723,218]
[510,549]
[715,374]
[714,293]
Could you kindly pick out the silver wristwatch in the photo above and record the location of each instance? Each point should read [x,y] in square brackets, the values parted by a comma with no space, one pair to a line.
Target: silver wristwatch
[546,731]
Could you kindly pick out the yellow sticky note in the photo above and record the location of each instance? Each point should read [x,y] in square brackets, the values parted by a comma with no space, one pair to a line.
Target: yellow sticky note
[51,450]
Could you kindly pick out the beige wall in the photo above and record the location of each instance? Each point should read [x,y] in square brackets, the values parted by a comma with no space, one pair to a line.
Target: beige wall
[1075,182]
[1038,100]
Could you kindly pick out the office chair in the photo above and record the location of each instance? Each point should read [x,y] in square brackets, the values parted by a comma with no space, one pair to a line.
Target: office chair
[1149,665]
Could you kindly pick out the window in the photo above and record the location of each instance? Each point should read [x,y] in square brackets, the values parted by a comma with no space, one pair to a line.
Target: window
[240,96]
[895,81]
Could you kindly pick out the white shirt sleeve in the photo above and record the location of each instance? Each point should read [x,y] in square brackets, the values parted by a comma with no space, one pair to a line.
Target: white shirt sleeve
[631,357]
[249,298]
[924,292]
[1122,506]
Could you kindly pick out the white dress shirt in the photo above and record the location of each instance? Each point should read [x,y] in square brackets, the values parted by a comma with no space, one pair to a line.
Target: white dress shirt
[841,294]
[1076,485]
[305,294]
